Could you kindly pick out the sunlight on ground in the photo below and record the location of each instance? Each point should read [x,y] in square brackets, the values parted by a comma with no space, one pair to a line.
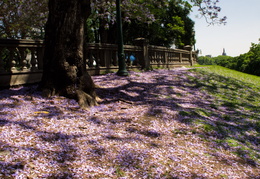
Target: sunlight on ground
[158,124]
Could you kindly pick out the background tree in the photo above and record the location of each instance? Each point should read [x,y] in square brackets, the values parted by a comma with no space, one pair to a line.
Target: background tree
[26,19]
[253,66]
[22,18]
[102,20]
[163,22]
[172,25]
[204,60]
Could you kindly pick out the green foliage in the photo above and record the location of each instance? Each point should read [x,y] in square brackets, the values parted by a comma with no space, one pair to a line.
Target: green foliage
[23,19]
[219,60]
[225,61]
[204,60]
[253,58]
[171,26]
[247,63]
[163,22]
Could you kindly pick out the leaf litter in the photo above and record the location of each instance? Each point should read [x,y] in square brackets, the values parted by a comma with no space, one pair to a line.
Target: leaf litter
[142,128]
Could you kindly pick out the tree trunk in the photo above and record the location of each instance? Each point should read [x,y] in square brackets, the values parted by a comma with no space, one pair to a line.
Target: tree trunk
[64,70]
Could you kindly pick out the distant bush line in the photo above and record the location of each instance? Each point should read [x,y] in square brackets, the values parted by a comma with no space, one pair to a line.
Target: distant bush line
[247,63]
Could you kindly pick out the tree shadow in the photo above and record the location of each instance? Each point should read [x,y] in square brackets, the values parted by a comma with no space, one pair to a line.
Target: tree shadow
[8,169]
[221,117]
[62,157]
[220,121]
[148,133]
[12,96]
[18,90]
[130,159]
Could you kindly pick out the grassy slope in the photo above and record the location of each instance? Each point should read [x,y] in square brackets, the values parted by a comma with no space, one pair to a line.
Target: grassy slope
[225,72]
[236,108]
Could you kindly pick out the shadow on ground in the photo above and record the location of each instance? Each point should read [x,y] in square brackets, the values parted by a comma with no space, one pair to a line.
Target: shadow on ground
[221,110]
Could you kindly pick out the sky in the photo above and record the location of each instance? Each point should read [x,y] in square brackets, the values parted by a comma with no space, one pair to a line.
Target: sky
[242,29]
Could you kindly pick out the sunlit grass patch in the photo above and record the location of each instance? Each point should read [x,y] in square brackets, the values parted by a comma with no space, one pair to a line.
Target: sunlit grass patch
[232,74]
[208,127]
[232,142]
[119,171]
[180,132]
[202,112]
[236,106]
[185,113]
[189,116]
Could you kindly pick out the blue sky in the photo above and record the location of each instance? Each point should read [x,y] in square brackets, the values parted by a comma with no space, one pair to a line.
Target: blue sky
[242,28]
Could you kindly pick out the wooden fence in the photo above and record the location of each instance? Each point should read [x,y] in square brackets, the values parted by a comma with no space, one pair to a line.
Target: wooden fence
[21,61]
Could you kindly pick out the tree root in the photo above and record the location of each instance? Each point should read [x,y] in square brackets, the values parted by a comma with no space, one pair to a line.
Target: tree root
[85,100]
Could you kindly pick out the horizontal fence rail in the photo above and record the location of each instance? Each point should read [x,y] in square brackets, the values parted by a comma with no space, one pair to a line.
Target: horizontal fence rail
[21,61]
[170,58]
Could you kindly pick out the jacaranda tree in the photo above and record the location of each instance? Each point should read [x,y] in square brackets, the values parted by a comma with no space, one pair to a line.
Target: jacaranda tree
[64,68]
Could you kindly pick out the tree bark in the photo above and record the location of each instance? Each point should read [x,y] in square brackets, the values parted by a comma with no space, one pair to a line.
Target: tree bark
[64,70]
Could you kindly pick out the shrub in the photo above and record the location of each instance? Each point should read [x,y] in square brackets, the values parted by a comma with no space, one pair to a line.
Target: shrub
[206,61]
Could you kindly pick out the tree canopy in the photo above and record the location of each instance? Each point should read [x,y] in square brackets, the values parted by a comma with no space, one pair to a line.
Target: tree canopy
[172,25]
[22,18]
[163,22]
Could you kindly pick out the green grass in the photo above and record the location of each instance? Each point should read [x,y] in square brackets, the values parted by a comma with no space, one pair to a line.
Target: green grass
[197,65]
[228,73]
[236,105]
[119,172]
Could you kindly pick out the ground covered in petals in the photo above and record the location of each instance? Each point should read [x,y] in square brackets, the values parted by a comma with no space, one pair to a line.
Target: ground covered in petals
[157,124]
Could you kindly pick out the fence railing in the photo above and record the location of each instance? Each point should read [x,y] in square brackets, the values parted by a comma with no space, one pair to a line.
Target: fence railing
[21,61]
